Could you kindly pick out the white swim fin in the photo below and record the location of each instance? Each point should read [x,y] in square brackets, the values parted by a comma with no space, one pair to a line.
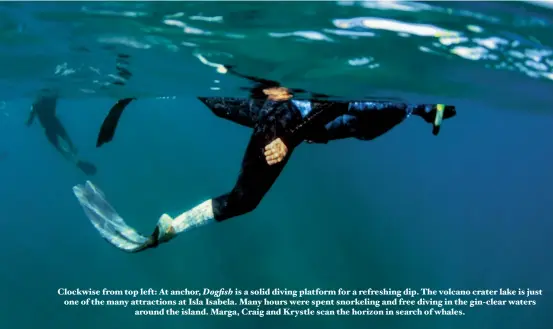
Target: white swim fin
[106,220]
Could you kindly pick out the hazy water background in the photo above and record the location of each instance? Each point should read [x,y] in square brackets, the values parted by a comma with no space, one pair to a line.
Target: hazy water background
[471,208]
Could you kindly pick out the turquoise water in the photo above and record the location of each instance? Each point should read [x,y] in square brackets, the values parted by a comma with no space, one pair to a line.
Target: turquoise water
[469,209]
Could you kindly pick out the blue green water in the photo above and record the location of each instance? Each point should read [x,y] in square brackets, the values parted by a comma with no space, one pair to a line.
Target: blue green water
[471,208]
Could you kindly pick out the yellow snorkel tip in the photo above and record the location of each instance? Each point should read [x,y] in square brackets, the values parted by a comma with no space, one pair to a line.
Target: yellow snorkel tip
[438,119]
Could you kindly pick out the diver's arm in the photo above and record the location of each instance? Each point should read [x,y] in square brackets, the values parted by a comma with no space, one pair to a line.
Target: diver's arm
[322,113]
[431,113]
[32,115]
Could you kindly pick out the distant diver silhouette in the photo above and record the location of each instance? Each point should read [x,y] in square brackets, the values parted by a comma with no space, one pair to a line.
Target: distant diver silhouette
[44,108]
[280,123]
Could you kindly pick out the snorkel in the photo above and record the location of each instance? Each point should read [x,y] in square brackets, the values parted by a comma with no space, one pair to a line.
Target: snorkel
[440,108]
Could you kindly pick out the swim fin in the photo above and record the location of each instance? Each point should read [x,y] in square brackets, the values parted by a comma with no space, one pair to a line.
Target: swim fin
[88,168]
[106,220]
[107,131]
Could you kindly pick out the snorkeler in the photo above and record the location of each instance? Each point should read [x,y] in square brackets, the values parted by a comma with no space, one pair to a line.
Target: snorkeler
[257,93]
[280,123]
[44,107]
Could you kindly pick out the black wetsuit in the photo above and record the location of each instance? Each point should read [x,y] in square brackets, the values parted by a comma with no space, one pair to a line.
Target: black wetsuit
[295,121]
[256,177]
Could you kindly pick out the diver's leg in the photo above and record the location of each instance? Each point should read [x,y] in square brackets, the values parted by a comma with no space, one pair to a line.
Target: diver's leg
[53,138]
[342,127]
[62,133]
[71,153]
[365,121]
[369,120]
[255,179]
[372,124]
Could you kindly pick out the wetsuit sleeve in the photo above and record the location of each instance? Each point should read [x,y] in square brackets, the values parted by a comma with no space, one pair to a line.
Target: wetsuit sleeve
[32,115]
[322,113]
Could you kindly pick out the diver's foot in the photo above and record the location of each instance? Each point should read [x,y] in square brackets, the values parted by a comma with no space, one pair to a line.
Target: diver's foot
[163,232]
[165,229]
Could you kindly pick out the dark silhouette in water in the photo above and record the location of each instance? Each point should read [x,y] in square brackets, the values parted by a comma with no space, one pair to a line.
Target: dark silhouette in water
[44,108]
[280,123]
